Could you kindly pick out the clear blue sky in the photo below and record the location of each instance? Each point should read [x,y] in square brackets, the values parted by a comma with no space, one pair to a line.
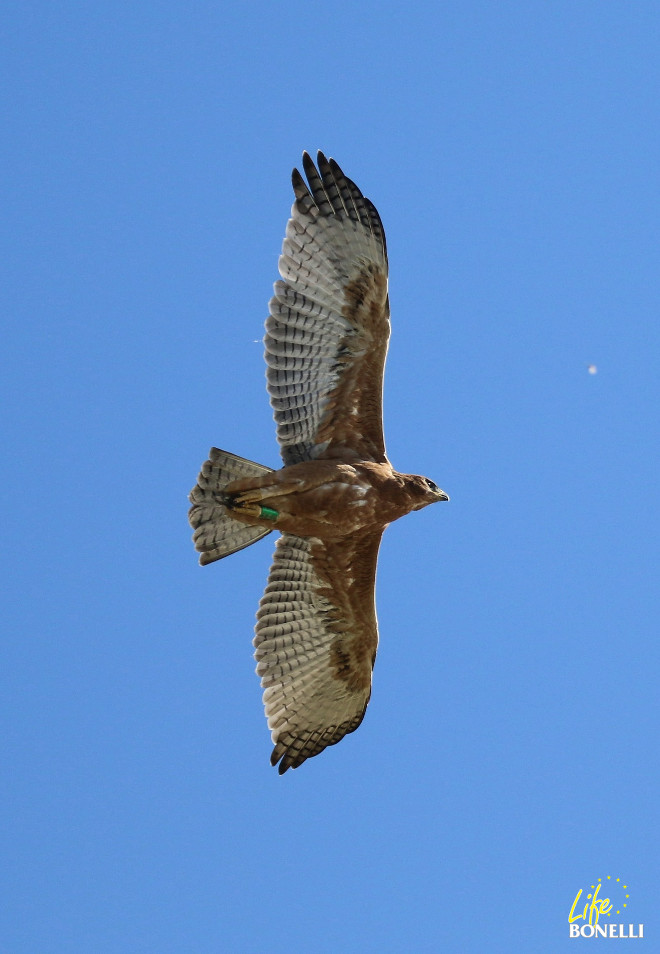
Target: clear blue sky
[509,754]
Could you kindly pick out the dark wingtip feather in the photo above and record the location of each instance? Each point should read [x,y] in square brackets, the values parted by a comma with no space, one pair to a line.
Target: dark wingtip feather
[300,189]
[308,165]
[279,752]
[333,193]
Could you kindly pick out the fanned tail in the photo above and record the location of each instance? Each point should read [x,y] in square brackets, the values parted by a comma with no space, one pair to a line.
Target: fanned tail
[216,534]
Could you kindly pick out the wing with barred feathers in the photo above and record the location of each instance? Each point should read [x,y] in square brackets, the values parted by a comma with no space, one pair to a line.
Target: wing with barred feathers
[316,640]
[327,334]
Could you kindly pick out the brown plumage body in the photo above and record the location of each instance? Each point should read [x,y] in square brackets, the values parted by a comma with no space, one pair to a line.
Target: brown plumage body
[329,499]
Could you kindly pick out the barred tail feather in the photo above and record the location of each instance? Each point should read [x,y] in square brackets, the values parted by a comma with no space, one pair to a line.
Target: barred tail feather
[216,534]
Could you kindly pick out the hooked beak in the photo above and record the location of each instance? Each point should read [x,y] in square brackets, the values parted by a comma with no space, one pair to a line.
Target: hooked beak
[442,495]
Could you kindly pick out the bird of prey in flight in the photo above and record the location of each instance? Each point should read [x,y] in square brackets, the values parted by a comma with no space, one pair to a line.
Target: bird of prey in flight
[326,341]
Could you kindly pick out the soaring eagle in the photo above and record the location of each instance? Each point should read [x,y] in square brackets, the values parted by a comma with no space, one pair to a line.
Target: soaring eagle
[326,341]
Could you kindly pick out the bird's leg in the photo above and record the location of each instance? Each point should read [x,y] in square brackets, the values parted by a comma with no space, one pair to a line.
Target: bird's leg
[249,502]
[253,496]
[248,510]
[247,497]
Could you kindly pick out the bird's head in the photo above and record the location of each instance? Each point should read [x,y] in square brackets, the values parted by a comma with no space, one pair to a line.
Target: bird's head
[423,491]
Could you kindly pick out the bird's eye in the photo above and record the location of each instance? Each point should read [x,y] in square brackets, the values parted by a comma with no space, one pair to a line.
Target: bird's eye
[430,484]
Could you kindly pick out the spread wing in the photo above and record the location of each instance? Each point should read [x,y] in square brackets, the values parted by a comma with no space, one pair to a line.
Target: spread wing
[326,337]
[316,639]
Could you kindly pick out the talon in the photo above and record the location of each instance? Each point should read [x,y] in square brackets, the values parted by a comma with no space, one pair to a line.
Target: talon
[250,510]
[235,503]
[246,498]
